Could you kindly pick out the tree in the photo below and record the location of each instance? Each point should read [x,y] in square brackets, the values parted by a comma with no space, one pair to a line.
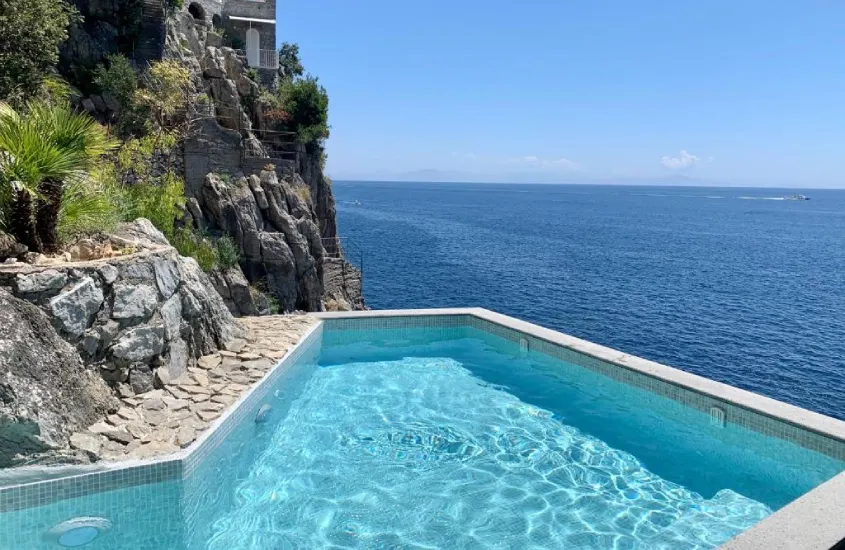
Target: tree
[43,149]
[167,87]
[117,78]
[307,106]
[30,34]
[290,67]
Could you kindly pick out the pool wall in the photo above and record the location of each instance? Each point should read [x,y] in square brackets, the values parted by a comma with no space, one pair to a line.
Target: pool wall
[811,522]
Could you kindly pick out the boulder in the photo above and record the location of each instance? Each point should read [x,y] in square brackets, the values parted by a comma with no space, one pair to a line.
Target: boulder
[46,393]
[171,314]
[89,106]
[134,301]
[139,344]
[140,233]
[233,287]
[47,281]
[141,378]
[167,276]
[73,310]
[83,250]
[9,247]
[227,100]
[213,65]
[210,324]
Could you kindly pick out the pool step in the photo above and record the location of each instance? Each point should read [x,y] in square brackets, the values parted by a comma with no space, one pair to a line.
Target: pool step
[715,522]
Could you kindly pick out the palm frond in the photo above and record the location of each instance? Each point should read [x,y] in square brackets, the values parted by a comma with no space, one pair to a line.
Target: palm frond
[87,206]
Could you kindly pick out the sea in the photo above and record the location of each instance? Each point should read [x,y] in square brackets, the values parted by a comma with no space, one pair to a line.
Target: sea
[738,285]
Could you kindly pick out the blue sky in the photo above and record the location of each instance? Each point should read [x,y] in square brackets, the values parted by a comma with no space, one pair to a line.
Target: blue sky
[740,92]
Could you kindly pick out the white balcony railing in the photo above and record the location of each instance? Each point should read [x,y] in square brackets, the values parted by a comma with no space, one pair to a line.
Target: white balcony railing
[269,59]
[262,59]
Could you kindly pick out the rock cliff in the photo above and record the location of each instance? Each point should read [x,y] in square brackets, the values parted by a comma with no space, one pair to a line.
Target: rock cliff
[276,233]
[230,139]
[271,197]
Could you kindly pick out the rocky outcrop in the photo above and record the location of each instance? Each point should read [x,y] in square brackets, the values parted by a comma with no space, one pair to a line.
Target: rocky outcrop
[141,319]
[46,393]
[276,233]
[343,285]
[106,27]
[239,297]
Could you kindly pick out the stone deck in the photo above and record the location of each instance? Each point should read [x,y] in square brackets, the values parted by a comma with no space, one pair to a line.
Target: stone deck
[168,419]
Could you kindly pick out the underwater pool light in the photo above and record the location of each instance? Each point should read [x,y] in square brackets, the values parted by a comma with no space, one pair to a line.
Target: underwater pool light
[78,532]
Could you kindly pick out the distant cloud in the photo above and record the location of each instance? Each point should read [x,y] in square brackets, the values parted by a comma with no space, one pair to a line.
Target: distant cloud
[465,156]
[558,163]
[565,163]
[681,162]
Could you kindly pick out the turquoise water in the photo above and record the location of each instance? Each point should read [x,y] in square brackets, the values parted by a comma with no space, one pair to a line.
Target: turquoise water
[448,438]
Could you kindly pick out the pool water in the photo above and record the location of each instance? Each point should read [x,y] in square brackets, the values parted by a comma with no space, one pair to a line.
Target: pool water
[426,438]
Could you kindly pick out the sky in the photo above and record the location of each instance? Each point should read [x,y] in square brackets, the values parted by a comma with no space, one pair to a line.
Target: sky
[733,92]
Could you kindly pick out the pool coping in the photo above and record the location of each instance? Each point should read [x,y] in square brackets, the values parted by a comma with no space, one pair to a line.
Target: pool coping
[808,523]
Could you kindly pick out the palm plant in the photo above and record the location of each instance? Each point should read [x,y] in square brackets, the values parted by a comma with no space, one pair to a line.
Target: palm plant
[43,149]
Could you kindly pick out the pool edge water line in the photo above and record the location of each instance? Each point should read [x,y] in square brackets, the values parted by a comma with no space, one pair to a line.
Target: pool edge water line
[810,522]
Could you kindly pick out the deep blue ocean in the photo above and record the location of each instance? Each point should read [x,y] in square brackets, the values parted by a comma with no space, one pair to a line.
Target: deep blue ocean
[732,284]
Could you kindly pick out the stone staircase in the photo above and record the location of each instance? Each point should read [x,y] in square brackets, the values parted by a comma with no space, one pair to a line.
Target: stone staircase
[150,46]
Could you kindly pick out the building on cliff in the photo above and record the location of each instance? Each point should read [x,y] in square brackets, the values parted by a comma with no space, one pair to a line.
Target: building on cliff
[247,23]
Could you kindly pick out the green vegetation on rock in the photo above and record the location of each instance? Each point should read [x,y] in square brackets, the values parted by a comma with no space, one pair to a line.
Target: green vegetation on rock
[307,106]
[30,34]
[117,77]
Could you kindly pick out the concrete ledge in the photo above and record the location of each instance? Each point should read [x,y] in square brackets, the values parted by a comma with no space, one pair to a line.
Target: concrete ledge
[814,521]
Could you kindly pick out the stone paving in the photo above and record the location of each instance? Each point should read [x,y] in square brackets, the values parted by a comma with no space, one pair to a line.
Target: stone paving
[168,419]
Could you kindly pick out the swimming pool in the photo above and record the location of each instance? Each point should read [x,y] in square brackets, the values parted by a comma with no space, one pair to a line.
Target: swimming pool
[446,432]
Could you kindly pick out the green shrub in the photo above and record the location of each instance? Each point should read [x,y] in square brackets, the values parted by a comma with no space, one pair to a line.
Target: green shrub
[275,308]
[88,206]
[45,148]
[31,32]
[189,243]
[160,202]
[307,105]
[303,192]
[167,85]
[228,254]
[117,78]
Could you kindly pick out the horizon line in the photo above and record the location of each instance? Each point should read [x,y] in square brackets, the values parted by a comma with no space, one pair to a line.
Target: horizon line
[597,184]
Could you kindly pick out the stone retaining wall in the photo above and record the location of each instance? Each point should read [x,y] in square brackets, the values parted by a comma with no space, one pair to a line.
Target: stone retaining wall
[141,319]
